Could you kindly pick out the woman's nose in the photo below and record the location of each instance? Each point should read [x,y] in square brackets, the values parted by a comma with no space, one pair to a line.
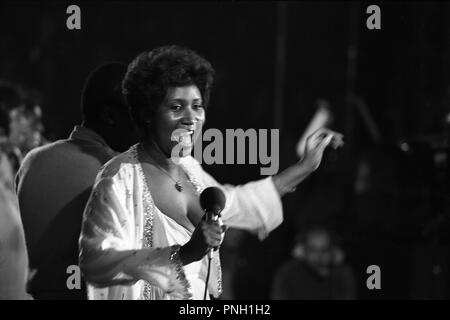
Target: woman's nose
[189,116]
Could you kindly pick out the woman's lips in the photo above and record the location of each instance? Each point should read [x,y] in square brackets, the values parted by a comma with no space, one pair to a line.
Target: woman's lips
[185,138]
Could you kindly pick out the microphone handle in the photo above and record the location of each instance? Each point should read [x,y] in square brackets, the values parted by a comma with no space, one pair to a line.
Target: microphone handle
[210,253]
[213,216]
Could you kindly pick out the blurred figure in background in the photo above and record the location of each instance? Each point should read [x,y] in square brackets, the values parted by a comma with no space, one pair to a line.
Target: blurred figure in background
[25,129]
[11,98]
[22,127]
[54,182]
[13,253]
[317,270]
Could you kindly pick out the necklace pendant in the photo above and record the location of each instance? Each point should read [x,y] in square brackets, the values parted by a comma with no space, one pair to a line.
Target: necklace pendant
[178,186]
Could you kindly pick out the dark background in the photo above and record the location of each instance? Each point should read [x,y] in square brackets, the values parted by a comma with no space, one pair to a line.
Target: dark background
[402,74]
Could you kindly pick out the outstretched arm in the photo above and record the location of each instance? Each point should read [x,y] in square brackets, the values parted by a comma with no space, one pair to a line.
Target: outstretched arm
[256,206]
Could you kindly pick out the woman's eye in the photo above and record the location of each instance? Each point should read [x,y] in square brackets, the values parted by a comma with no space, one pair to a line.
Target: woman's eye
[198,106]
[175,107]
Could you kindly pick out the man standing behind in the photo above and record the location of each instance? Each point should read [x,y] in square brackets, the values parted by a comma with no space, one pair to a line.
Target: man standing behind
[54,183]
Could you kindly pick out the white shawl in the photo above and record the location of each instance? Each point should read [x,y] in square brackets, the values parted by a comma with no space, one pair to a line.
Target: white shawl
[129,248]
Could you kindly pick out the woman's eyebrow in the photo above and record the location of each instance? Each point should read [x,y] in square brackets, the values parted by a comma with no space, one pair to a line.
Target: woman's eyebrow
[184,100]
[179,100]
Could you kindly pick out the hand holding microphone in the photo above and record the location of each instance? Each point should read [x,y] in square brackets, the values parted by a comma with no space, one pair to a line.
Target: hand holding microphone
[212,201]
[208,234]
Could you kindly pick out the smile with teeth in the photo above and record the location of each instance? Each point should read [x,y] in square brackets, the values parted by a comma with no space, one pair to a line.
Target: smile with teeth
[186,138]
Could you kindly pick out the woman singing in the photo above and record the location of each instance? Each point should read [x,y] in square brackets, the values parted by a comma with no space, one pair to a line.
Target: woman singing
[143,236]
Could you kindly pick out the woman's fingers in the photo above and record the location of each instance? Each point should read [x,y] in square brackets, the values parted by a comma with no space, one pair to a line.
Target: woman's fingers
[322,132]
[213,233]
[213,240]
[337,142]
[212,225]
[322,135]
[324,143]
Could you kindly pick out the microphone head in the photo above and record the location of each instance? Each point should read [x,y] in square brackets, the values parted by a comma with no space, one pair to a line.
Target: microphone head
[212,199]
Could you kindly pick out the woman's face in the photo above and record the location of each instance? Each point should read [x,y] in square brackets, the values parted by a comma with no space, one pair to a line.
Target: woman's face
[180,117]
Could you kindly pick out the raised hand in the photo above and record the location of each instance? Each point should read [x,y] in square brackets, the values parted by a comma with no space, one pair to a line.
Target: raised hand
[315,146]
[287,180]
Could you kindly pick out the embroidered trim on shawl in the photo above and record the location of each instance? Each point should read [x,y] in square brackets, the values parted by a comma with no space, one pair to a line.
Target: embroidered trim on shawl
[149,207]
[199,189]
[219,275]
[148,218]
[178,266]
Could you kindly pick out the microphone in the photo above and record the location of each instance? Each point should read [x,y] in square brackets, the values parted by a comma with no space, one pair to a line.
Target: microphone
[212,201]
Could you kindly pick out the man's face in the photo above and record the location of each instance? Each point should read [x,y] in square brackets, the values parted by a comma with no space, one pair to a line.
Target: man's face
[318,251]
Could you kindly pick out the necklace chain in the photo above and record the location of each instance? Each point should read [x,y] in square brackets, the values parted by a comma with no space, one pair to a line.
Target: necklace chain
[178,184]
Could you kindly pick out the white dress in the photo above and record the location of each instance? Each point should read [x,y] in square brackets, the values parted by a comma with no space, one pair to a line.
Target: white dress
[129,248]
